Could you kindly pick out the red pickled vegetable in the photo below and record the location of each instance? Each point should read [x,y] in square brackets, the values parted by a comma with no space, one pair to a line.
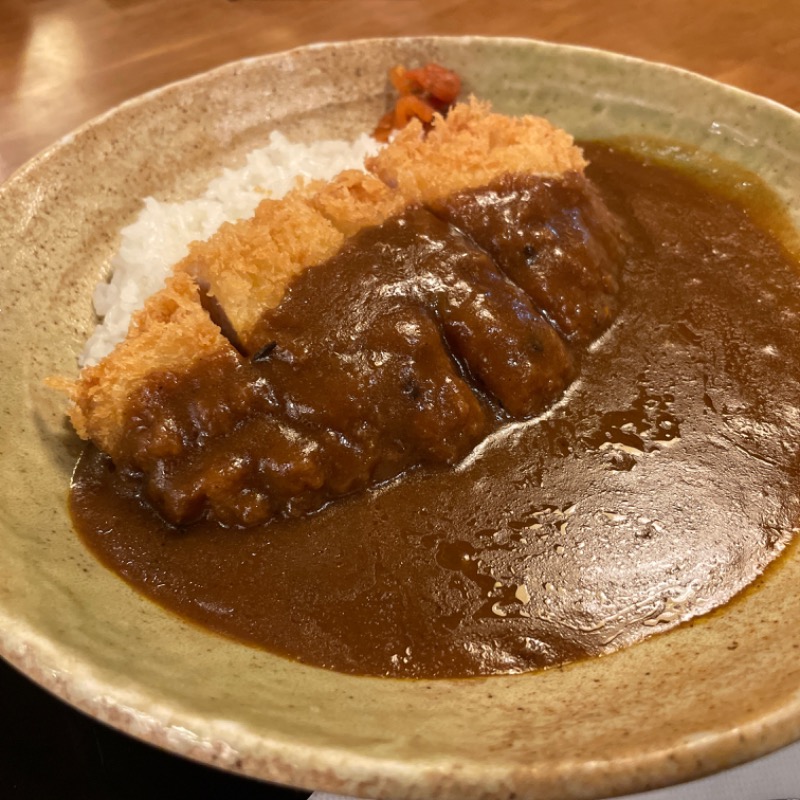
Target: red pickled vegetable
[423,92]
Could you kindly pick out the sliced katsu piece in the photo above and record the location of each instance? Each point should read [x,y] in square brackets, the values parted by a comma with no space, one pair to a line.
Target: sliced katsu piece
[555,239]
[516,187]
[354,200]
[469,149]
[246,266]
[144,406]
[170,334]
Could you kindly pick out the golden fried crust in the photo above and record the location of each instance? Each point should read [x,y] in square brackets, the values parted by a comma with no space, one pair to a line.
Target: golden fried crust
[470,148]
[247,265]
[171,332]
[354,200]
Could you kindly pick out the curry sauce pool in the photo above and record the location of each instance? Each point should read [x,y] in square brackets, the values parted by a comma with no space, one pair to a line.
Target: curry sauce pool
[659,487]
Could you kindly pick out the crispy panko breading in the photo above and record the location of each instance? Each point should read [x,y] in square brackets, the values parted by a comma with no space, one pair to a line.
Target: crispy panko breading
[354,200]
[172,331]
[469,148]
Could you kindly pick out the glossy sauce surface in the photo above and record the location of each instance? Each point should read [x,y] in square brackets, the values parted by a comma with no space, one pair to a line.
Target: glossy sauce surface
[659,487]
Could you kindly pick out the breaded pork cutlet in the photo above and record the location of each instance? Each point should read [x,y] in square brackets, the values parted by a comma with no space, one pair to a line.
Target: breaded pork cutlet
[455,275]
[354,200]
[245,266]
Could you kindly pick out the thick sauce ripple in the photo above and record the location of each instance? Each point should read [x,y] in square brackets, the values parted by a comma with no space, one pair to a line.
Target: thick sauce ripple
[663,483]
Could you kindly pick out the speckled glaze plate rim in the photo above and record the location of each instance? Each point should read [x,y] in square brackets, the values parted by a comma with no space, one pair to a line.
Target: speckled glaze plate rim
[336,768]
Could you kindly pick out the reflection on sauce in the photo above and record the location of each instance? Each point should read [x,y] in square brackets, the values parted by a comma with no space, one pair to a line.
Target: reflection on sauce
[660,486]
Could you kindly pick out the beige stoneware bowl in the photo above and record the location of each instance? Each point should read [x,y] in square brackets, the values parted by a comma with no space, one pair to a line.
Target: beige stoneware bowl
[681,705]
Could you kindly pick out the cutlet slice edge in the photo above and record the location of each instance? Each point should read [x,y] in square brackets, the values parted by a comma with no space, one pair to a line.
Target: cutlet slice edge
[171,332]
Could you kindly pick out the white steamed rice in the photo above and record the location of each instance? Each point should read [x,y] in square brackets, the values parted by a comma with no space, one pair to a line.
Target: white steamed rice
[160,236]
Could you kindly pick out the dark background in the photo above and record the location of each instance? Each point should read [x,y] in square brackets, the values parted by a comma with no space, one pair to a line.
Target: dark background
[49,750]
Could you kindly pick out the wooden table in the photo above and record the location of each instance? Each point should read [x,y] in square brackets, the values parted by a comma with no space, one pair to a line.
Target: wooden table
[62,63]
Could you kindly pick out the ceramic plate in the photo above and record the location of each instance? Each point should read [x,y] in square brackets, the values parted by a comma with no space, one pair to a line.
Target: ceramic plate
[699,699]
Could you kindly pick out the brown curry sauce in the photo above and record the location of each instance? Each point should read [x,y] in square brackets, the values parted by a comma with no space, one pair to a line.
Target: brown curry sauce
[660,486]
